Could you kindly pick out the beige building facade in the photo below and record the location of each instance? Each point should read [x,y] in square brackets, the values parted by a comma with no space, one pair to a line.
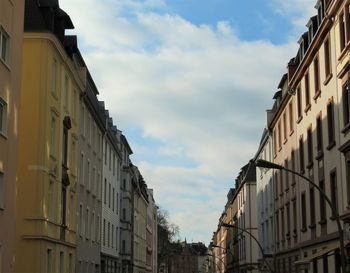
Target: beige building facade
[49,126]
[11,33]
[309,128]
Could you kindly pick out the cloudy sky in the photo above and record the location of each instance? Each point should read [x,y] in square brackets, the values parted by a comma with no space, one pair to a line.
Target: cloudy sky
[188,82]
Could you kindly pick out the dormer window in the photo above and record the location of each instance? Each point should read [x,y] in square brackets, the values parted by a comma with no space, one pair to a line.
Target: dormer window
[320,12]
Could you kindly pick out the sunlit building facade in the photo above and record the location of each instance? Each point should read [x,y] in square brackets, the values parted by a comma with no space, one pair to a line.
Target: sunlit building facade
[49,130]
[11,33]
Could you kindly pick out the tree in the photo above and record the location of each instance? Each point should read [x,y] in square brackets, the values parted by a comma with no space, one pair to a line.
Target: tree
[168,233]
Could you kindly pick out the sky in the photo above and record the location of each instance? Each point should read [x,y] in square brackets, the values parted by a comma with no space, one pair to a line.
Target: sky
[188,82]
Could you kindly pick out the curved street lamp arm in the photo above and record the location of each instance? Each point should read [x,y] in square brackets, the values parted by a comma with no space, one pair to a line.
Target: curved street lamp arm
[255,239]
[334,212]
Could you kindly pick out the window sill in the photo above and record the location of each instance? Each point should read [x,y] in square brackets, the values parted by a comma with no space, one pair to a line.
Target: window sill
[313,226]
[331,145]
[291,133]
[3,135]
[284,141]
[328,78]
[317,94]
[322,222]
[319,155]
[299,119]
[346,129]
[310,165]
[5,64]
[343,52]
[307,108]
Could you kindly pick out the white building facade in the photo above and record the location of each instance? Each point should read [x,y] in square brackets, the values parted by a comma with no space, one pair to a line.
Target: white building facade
[110,222]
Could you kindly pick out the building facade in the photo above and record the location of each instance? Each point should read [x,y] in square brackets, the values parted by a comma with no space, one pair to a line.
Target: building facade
[89,207]
[11,33]
[265,203]
[49,120]
[127,203]
[309,128]
[110,224]
[140,223]
[151,234]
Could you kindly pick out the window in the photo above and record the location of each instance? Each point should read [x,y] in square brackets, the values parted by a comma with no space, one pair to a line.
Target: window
[283,225]
[299,102]
[2,191]
[334,191]
[303,212]
[124,214]
[307,91]
[327,58]
[319,136]
[109,195]
[286,174]
[279,136]
[53,133]
[4,45]
[325,263]
[54,77]
[342,31]
[309,146]
[116,237]
[81,220]
[113,164]
[291,119]
[93,184]
[3,117]
[70,265]
[74,104]
[105,191]
[285,126]
[293,166]
[330,123]
[49,260]
[123,246]
[66,93]
[317,76]
[346,104]
[112,236]
[50,200]
[87,224]
[106,152]
[301,155]
[93,226]
[61,269]
[275,142]
[88,174]
[82,120]
[104,232]
[312,208]
[110,157]
[108,233]
[97,234]
[347,166]
[113,199]
[295,217]
[81,169]
[323,212]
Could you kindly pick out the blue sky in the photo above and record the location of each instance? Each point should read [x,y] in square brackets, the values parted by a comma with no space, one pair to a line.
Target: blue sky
[188,82]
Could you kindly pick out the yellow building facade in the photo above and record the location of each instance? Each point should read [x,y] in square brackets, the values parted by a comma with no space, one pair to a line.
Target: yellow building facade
[11,31]
[47,182]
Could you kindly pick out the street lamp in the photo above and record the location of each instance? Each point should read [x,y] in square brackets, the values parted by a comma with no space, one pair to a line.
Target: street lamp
[226,249]
[220,259]
[255,239]
[270,165]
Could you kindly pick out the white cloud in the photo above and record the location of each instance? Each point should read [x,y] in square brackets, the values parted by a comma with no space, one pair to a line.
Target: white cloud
[199,90]
[299,12]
